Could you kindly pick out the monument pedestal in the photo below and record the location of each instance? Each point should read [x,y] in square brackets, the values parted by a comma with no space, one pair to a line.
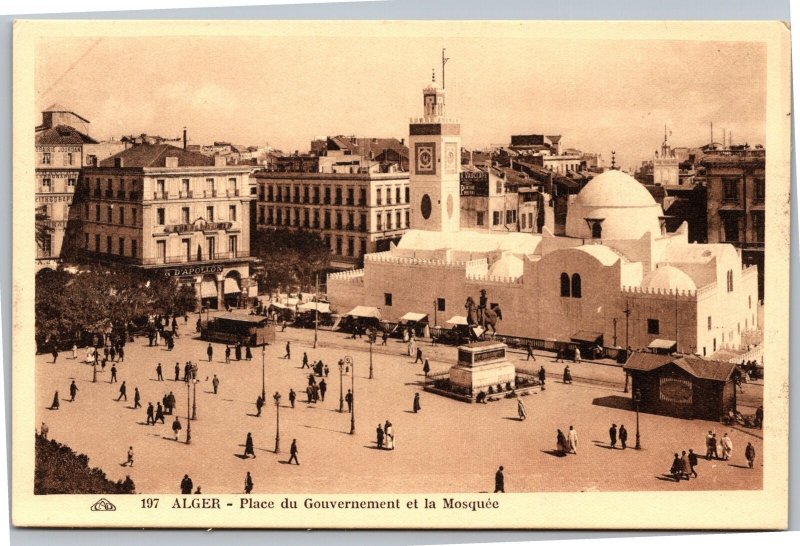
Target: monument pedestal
[482,365]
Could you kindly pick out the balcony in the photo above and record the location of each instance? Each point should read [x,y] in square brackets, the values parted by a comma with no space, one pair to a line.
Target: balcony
[109,194]
[209,193]
[362,202]
[185,194]
[184,259]
[121,194]
[232,193]
[159,195]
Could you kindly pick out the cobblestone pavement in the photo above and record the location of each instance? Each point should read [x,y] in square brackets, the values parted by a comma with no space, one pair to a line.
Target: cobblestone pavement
[450,446]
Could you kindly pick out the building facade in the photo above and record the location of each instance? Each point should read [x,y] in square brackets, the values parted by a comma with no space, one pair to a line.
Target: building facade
[162,207]
[355,213]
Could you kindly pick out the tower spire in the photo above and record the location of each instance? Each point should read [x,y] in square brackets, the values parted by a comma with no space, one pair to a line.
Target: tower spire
[444,62]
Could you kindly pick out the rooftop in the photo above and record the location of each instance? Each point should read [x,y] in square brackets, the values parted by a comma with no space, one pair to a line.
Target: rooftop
[155,155]
[62,135]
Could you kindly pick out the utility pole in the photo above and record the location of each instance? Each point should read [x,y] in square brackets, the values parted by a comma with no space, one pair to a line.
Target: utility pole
[627,312]
[316,311]
[188,416]
[349,361]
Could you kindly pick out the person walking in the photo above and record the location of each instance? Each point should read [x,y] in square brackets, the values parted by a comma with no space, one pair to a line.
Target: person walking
[384,338]
[237,350]
[210,351]
[379,433]
[248,484]
[750,454]
[623,436]
[123,392]
[521,410]
[112,353]
[685,466]
[426,368]
[56,404]
[567,380]
[248,355]
[129,462]
[159,414]
[74,352]
[322,388]
[73,390]
[293,453]
[727,447]
[215,383]
[259,405]
[716,445]
[349,399]
[186,485]
[292,397]
[388,433]
[248,446]
[419,356]
[44,430]
[692,458]
[121,353]
[499,481]
[136,398]
[529,350]
[759,418]
[542,376]
[326,370]
[288,354]
[710,445]
[305,361]
[55,354]
[572,439]
[159,373]
[176,427]
[227,354]
[676,470]
[612,435]
[177,372]
[150,419]
[113,373]
[416,405]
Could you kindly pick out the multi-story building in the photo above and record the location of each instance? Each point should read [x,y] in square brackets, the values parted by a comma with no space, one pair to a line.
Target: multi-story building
[63,147]
[163,207]
[735,201]
[355,213]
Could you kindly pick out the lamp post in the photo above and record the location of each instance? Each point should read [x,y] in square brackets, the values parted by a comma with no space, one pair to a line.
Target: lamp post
[316,310]
[341,398]
[371,342]
[194,398]
[637,397]
[188,420]
[263,372]
[277,398]
[349,361]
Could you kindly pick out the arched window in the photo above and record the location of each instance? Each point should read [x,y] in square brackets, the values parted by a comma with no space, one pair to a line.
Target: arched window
[576,285]
[564,285]
[597,230]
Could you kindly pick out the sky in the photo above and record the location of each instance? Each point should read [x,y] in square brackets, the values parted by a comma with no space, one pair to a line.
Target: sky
[600,95]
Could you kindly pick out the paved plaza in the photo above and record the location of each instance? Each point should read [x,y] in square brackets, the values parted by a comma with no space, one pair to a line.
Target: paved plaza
[449,446]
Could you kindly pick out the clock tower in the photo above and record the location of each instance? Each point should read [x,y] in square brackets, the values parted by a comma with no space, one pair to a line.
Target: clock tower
[435,149]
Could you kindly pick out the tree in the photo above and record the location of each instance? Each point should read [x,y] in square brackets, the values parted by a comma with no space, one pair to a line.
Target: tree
[291,258]
[43,229]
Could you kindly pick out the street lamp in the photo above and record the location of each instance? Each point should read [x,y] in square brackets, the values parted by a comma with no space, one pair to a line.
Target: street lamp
[371,341]
[188,420]
[349,361]
[637,397]
[277,397]
[263,372]
[194,398]
[341,398]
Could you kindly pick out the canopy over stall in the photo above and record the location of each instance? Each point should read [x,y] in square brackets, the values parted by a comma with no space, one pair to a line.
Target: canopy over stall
[321,307]
[663,346]
[413,317]
[363,311]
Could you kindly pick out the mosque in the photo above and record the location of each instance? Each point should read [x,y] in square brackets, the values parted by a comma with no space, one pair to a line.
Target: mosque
[616,278]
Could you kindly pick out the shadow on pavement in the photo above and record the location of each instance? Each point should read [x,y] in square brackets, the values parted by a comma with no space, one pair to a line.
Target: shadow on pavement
[666,478]
[554,453]
[513,418]
[740,466]
[604,445]
[613,401]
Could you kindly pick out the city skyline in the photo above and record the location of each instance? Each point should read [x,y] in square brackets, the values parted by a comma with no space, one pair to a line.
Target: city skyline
[281,91]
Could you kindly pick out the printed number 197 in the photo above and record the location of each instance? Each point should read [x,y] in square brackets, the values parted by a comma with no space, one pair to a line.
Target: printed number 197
[149,503]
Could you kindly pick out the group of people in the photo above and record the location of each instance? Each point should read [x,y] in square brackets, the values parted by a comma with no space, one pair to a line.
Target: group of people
[385,435]
[567,444]
[237,351]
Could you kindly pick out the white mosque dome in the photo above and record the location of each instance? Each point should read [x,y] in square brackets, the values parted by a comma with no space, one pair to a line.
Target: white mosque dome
[507,266]
[668,278]
[613,206]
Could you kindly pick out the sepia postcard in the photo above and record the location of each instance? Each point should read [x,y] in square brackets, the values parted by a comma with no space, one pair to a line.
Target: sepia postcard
[395,274]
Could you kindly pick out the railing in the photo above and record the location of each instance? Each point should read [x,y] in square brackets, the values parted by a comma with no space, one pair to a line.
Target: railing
[184,259]
[362,202]
[185,194]
[109,193]
[209,193]
[121,194]
[159,195]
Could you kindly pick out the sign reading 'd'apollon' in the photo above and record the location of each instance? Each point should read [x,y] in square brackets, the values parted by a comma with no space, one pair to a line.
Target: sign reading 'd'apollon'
[201,225]
[192,270]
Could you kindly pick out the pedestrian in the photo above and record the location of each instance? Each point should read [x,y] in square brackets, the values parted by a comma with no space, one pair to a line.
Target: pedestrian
[123,392]
[159,414]
[292,396]
[686,467]
[105,352]
[572,439]
[121,353]
[577,356]
[129,462]
[559,355]
[309,394]
[305,362]
[177,372]
[43,430]
[349,399]
[416,405]
[499,481]
[113,373]
[159,372]
[677,468]
[759,418]
[426,368]
[542,376]
[692,458]
[259,405]
[247,354]
[322,388]
[293,453]
[384,338]
[326,370]
[315,392]
[55,354]
[176,427]
[248,446]
[388,434]
[136,398]
[187,372]
[171,402]
[727,447]
[74,352]
[55,404]
[623,436]
[612,435]
[215,383]
[562,446]
[717,445]
[379,432]
[73,390]
[288,354]
[529,349]
[186,485]
[238,351]
[750,454]
[248,484]
[419,356]
[150,419]
[227,354]
[567,375]
[209,352]
[710,445]
[113,353]
[521,410]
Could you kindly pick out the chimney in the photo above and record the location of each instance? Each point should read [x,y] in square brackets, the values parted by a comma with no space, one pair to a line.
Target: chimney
[185,138]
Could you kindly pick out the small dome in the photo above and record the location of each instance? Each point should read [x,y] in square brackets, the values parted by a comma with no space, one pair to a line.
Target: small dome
[507,266]
[668,278]
[615,189]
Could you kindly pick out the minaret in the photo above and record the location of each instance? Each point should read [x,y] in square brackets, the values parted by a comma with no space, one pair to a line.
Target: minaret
[435,147]
[665,167]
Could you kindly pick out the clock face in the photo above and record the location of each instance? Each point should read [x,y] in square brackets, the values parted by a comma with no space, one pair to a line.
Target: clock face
[426,158]
[425,206]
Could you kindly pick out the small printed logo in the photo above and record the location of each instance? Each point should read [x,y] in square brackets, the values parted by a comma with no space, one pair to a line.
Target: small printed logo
[103,505]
